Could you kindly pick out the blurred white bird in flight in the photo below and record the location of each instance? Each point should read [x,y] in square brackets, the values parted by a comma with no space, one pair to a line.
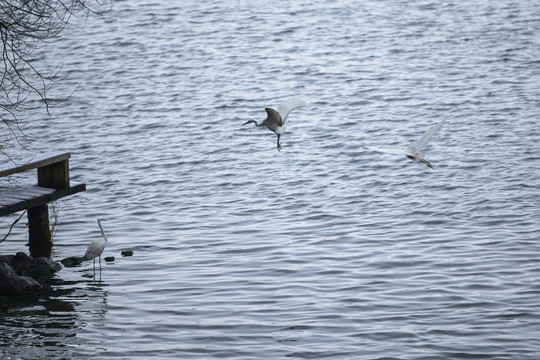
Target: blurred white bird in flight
[275,120]
[416,151]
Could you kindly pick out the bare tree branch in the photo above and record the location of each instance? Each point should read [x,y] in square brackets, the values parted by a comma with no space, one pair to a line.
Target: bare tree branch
[25,27]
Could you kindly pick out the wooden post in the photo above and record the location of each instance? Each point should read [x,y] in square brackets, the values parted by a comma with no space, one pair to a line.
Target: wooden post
[40,243]
[53,183]
[55,175]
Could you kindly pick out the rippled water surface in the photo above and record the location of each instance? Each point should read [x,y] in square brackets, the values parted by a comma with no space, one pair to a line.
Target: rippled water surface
[322,250]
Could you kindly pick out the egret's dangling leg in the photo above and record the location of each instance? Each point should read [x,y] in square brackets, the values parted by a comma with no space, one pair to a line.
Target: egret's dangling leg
[278,144]
[420,160]
[427,163]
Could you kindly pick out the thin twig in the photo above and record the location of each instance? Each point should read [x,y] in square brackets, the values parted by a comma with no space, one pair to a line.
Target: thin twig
[12,225]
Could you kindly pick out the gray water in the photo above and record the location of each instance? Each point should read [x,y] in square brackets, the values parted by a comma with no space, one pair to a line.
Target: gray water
[324,250]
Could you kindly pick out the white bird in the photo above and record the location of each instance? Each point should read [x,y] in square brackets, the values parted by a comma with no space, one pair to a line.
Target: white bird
[416,151]
[96,247]
[275,120]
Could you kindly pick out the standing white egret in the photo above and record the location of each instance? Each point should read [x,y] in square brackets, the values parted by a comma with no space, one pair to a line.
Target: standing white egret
[275,120]
[416,151]
[96,247]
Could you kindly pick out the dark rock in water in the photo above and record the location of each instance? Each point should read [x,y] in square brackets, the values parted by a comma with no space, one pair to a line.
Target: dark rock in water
[39,269]
[3,304]
[127,253]
[8,259]
[109,259]
[20,274]
[14,285]
[72,261]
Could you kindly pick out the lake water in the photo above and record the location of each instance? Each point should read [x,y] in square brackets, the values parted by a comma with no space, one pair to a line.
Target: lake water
[324,250]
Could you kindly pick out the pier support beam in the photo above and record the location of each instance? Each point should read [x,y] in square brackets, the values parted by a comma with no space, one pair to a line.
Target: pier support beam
[40,242]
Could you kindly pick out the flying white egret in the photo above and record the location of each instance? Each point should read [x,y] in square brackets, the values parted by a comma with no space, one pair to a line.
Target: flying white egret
[416,151]
[96,247]
[275,120]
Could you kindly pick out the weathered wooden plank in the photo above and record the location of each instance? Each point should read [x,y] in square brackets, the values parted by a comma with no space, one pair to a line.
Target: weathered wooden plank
[11,194]
[19,198]
[35,163]
[16,207]
[58,194]
[76,189]
[38,201]
[5,201]
[38,191]
[52,183]
[14,198]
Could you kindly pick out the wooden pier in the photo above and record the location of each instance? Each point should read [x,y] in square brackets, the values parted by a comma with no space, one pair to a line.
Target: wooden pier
[52,184]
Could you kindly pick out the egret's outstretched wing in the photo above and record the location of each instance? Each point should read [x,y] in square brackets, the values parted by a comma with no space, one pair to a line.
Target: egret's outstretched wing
[427,136]
[288,106]
[273,120]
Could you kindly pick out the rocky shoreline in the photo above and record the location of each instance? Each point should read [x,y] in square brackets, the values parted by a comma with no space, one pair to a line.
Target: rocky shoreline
[22,276]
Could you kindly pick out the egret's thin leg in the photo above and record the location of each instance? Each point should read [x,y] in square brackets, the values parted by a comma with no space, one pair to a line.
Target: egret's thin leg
[427,163]
[278,145]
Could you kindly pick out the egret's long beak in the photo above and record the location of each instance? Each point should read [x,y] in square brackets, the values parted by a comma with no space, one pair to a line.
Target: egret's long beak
[247,122]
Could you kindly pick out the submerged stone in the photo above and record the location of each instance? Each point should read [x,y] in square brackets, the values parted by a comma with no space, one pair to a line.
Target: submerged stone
[21,274]
[13,285]
[72,261]
[39,269]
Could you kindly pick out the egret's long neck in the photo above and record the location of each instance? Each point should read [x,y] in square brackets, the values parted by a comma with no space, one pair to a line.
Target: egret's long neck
[102,231]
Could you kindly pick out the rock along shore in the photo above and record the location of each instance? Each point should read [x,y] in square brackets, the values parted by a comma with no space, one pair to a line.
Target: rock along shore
[23,276]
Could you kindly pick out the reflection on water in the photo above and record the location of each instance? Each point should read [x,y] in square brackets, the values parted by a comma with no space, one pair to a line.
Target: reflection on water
[49,327]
